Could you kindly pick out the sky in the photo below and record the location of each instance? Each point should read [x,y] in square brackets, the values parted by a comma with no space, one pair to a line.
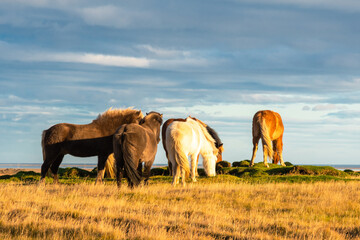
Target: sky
[219,61]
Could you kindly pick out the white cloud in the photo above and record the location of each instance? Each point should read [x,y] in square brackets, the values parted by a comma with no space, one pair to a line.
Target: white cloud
[91,58]
[162,52]
[173,59]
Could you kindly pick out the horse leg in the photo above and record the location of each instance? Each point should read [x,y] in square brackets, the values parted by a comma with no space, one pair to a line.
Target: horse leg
[183,177]
[255,148]
[176,173]
[170,168]
[55,167]
[51,155]
[278,145]
[265,157]
[101,165]
[119,170]
[147,168]
[140,168]
[282,160]
[194,161]
[196,167]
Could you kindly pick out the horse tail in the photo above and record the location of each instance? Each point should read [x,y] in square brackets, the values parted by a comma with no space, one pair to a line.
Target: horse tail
[110,168]
[181,159]
[265,137]
[43,144]
[129,165]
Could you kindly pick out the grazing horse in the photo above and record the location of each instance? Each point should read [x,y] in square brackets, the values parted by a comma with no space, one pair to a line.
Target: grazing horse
[268,126]
[190,137]
[93,139]
[212,132]
[135,144]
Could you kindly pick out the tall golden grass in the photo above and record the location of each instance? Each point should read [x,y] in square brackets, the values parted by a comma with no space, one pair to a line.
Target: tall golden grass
[227,210]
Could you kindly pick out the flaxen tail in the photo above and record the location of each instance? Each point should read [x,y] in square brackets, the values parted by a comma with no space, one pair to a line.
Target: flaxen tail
[130,167]
[43,144]
[181,159]
[265,137]
[110,168]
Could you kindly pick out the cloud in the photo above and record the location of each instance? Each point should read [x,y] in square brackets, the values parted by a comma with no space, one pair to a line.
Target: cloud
[306,108]
[346,115]
[327,107]
[105,16]
[90,58]
[161,52]
[13,52]
[348,5]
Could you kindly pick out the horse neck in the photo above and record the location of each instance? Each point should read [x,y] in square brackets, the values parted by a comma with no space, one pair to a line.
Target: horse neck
[206,148]
[154,129]
[110,125]
[206,145]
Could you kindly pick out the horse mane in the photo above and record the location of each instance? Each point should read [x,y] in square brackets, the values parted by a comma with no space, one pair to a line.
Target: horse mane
[215,136]
[204,130]
[113,116]
[211,131]
[198,120]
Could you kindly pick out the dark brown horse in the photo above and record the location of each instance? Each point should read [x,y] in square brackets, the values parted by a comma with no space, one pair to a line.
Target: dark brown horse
[212,132]
[135,144]
[268,126]
[93,139]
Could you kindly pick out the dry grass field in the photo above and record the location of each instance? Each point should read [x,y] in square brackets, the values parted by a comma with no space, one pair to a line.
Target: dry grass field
[203,210]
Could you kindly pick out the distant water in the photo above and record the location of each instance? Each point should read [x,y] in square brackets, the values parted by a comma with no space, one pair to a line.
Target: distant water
[343,167]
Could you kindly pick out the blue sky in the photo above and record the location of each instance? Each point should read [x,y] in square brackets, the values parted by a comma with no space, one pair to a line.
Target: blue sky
[220,61]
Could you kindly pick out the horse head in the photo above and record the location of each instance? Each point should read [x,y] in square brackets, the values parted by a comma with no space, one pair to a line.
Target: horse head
[219,154]
[154,121]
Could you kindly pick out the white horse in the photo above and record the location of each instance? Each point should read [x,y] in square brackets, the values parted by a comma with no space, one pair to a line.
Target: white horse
[190,138]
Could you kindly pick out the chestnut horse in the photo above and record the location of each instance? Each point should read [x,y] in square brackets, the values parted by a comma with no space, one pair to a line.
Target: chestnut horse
[268,126]
[212,132]
[190,138]
[135,144]
[93,139]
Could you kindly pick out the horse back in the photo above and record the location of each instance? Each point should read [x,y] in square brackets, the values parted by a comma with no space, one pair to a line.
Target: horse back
[58,133]
[135,138]
[185,135]
[70,132]
[164,128]
[272,120]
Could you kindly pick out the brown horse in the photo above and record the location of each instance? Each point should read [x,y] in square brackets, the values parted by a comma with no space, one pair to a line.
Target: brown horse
[93,139]
[135,144]
[268,126]
[212,132]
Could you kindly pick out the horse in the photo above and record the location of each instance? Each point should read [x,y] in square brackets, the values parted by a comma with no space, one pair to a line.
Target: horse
[268,126]
[212,132]
[93,139]
[190,137]
[135,144]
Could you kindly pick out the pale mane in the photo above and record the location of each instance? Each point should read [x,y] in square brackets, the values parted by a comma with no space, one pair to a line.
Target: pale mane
[112,114]
[202,125]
